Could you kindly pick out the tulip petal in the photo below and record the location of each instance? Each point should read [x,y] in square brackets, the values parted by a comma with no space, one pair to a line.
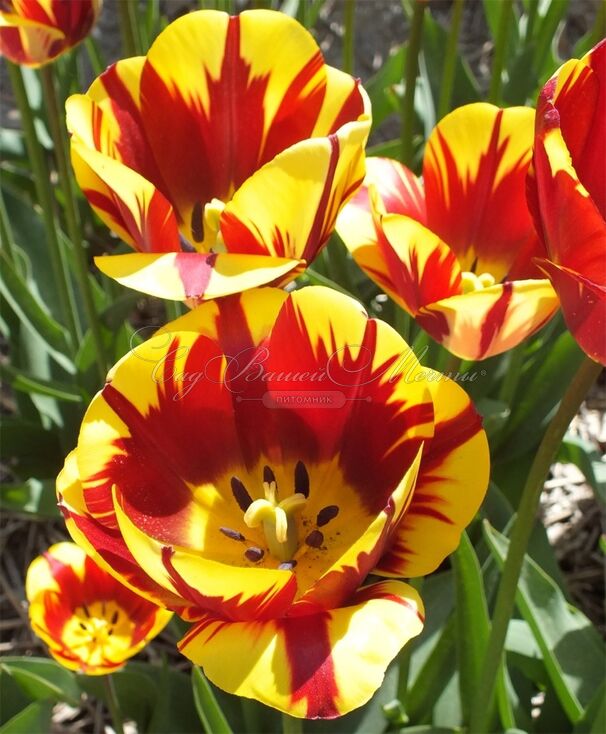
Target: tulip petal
[288,208]
[483,323]
[584,308]
[125,201]
[452,482]
[197,276]
[314,666]
[474,174]
[194,73]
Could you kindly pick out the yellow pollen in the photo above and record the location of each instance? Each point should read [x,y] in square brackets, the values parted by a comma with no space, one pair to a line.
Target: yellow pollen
[277,519]
[213,240]
[471,282]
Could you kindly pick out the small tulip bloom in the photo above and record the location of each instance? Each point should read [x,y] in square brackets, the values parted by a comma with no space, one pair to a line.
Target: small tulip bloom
[455,249]
[567,194]
[222,157]
[34,32]
[251,464]
[90,622]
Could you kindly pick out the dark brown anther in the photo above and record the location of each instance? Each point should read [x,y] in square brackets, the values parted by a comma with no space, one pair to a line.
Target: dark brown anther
[85,610]
[197,222]
[114,618]
[233,534]
[82,625]
[301,479]
[254,554]
[314,539]
[327,514]
[287,565]
[240,494]
[268,475]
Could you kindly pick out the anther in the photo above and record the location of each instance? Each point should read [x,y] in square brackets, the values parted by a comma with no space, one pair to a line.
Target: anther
[326,514]
[114,618]
[85,610]
[240,494]
[83,626]
[314,539]
[268,475]
[233,534]
[254,554]
[287,565]
[301,479]
[197,222]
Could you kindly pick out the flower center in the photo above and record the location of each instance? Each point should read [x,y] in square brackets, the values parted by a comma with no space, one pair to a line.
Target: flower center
[213,240]
[92,629]
[471,282]
[278,519]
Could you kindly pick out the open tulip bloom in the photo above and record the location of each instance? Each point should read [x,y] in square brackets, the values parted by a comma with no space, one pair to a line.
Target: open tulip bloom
[252,463]
[90,622]
[34,32]
[456,249]
[567,194]
[222,157]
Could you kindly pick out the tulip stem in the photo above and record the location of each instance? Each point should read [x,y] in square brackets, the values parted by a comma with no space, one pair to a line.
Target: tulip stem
[349,35]
[450,60]
[6,234]
[45,200]
[500,47]
[411,70]
[111,698]
[291,725]
[74,228]
[128,28]
[520,535]
[512,376]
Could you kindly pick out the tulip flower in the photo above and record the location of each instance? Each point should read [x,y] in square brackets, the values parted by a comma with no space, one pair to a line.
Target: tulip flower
[252,463]
[222,157]
[34,32]
[455,249]
[90,622]
[567,194]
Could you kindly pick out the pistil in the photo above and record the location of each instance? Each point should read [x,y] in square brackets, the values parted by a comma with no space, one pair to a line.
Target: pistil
[471,282]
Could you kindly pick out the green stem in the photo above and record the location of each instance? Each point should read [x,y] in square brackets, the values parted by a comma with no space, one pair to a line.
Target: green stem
[291,725]
[348,38]
[45,199]
[113,705]
[6,233]
[94,56]
[402,322]
[500,48]
[520,535]
[74,229]
[128,28]
[533,7]
[411,71]
[450,60]
[405,655]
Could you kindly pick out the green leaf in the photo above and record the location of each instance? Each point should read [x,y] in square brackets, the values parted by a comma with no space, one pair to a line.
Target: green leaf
[29,309]
[208,709]
[380,87]
[584,455]
[524,653]
[35,719]
[594,718]
[572,649]
[12,698]
[32,497]
[546,30]
[23,382]
[471,614]
[40,679]
[495,414]
[29,447]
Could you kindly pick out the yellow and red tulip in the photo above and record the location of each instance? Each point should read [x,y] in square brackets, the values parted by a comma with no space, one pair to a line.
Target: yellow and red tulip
[90,622]
[222,157]
[567,194]
[252,463]
[455,249]
[34,32]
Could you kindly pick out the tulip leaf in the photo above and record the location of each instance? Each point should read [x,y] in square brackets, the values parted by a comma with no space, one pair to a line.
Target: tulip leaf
[41,679]
[208,709]
[33,497]
[471,615]
[594,718]
[380,88]
[584,455]
[34,719]
[571,647]
[20,380]
[29,447]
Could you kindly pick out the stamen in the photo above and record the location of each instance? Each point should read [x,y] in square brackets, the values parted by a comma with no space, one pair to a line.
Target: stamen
[315,539]
[254,554]
[287,565]
[114,618]
[270,486]
[197,222]
[85,610]
[233,534]
[301,479]
[240,494]
[326,514]
[83,626]
[110,632]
